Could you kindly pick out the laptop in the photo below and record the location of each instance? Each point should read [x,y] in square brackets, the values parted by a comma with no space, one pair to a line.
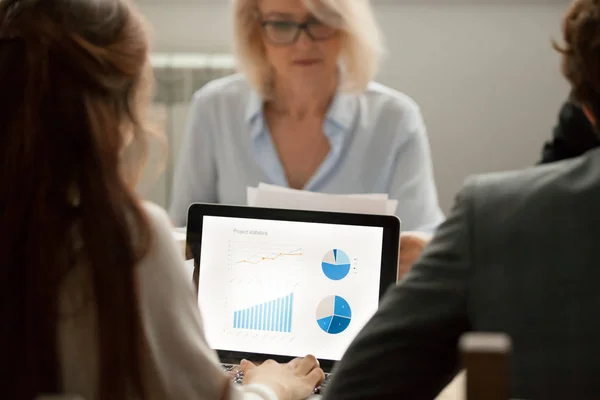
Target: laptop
[279,284]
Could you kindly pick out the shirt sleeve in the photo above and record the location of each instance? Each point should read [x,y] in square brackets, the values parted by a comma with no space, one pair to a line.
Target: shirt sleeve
[195,178]
[177,360]
[409,349]
[412,182]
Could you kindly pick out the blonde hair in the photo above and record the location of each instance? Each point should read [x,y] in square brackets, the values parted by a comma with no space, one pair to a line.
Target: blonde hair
[362,42]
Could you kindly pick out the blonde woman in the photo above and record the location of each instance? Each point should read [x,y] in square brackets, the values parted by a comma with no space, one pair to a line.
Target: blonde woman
[305,113]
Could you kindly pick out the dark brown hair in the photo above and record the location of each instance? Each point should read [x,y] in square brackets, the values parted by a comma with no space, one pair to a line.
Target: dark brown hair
[581,52]
[74,81]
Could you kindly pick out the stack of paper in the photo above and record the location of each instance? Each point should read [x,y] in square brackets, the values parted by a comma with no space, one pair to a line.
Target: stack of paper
[272,196]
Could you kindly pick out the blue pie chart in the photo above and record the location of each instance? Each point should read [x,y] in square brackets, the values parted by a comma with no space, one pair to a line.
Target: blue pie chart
[336,264]
[334,314]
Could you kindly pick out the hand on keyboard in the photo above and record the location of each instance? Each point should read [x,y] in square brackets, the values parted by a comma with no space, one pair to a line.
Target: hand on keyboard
[294,380]
[237,376]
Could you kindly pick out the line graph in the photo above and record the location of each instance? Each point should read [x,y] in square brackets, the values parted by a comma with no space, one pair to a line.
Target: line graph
[254,267]
[256,253]
[257,258]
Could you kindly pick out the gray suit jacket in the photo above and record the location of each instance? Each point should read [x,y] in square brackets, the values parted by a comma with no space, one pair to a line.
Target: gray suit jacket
[519,253]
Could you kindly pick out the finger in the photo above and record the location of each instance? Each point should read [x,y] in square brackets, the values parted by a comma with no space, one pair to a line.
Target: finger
[410,254]
[246,366]
[295,362]
[306,365]
[315,377]
[409,258]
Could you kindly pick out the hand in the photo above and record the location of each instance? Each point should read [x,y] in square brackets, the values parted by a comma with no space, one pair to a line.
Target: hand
[411,247]
[292,381]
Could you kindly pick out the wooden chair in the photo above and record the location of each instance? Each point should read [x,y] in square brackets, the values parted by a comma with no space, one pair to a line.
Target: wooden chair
[485,359]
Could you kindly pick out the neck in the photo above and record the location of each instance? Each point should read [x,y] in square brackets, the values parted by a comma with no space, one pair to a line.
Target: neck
[299,101]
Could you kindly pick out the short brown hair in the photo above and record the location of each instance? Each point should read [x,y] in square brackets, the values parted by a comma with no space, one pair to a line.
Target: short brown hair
[581,52]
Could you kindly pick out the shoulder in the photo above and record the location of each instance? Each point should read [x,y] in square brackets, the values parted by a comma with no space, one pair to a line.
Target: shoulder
[393,112]
[392,115]
[157,217]
[390,102]
[548,186]
[164,257]
[232,88]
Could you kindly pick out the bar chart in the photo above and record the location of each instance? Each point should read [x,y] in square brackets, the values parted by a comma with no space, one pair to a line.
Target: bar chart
[272,316]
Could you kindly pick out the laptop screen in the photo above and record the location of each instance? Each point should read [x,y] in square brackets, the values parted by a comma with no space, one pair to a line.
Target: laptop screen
[287,288]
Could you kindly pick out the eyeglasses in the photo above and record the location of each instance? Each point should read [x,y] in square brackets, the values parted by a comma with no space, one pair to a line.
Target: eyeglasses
[284,33]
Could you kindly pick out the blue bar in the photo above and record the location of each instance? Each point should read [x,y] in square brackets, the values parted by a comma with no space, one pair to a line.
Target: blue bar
[279,311]
[286,314]
[266,317]
[291,312]
[275,316]
[259,321]
[282,315]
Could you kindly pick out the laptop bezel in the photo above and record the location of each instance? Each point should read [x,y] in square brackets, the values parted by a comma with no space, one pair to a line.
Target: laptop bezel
[389,255]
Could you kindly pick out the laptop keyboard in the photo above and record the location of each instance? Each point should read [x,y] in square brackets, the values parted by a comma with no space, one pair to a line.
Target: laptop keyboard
[238,376]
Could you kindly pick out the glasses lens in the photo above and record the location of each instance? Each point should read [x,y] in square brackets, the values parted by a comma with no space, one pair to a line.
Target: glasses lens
[319,30]
[281,32]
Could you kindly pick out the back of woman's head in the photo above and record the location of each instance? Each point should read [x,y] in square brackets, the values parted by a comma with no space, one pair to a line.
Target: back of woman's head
[581,53]
[73,84]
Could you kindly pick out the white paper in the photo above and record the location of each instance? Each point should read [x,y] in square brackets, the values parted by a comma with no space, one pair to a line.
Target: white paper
[251,193]
[265,186]
[272,196]
[392,206]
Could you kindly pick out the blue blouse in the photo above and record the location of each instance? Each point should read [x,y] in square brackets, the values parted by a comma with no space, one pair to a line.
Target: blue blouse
[378,144]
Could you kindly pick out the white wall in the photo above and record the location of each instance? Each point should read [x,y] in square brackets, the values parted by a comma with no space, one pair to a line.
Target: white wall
[485,75]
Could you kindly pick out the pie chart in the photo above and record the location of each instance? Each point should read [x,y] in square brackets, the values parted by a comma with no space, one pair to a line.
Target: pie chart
[336,264]
[334,314]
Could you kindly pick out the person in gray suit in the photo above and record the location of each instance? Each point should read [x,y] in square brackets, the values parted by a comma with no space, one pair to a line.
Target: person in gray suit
[519,254]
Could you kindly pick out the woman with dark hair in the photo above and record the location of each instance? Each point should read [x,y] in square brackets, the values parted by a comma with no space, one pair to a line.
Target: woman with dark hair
[93,293]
